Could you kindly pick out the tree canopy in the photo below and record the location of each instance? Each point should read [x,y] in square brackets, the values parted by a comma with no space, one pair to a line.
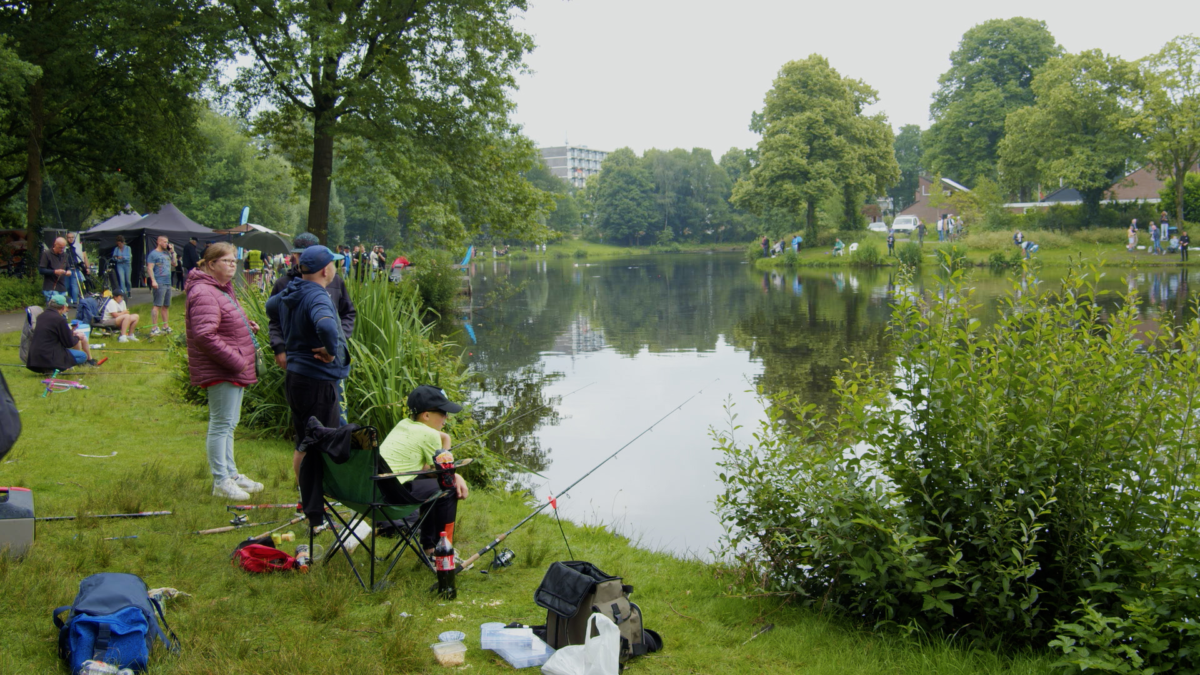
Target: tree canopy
[991,74]
[412,95]
[1080,131]
[816,141]
[908,157]
[1170,115]
[624,198]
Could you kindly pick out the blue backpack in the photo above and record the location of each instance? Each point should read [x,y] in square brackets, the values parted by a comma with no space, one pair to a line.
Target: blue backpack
[112,620]
[90,311]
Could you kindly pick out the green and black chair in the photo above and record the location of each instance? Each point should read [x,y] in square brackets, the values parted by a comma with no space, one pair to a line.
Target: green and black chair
[356,485]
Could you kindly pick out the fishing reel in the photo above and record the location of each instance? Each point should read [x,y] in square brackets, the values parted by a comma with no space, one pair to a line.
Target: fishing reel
[501,559]
[239,520]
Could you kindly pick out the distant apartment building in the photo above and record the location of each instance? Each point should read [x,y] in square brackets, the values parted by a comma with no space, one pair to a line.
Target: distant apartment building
[573,163]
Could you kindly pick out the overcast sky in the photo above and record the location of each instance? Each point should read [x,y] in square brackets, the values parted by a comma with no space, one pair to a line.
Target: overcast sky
[658,74]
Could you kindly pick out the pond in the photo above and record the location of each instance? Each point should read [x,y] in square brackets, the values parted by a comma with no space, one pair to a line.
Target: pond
[626,341]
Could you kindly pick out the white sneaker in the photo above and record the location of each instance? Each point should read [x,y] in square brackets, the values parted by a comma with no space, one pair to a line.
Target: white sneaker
[123,338]
[154,332]
[246,484]
[363,530]
[229,490]
[133,338]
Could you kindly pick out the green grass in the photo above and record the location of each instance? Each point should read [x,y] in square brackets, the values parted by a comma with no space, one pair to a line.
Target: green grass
[1054,250]
[567,248]
[321,622]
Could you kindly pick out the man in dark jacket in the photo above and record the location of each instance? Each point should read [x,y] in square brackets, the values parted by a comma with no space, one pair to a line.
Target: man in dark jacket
[191,256]
[55,268]
[54,346]
[315,346]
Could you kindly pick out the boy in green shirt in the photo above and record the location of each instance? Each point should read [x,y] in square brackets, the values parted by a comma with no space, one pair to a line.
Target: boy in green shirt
[412,446]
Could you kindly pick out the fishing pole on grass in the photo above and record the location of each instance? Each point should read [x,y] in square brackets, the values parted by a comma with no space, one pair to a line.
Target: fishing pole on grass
[553,501]
[142,514]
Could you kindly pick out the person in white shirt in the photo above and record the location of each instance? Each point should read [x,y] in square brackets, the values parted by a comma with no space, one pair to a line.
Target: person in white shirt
[116,315]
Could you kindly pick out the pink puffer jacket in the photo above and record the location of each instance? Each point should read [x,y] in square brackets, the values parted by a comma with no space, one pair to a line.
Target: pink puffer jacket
[219,345]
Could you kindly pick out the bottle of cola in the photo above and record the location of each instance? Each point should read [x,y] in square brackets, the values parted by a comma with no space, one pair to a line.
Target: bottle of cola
[443,562]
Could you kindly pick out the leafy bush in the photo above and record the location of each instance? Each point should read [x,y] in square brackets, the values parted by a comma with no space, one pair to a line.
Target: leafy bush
[910,253]
[436,279]
[867,255]
[668,247]
[754,251]
[20,292]
[579,253]
[1031,482]
[997,261]
[1191,198]
[951,256]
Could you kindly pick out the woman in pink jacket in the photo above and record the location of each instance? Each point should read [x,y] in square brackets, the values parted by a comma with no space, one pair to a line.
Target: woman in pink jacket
[221,351]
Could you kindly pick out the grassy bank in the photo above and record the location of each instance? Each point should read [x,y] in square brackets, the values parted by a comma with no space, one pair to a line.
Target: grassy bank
[287,623]
[1054,249]
[581,248]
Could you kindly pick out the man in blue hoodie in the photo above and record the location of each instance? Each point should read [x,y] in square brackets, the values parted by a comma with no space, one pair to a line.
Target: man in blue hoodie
[316,349]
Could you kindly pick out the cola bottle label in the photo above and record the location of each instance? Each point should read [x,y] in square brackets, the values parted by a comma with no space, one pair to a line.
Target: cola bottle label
[444,563]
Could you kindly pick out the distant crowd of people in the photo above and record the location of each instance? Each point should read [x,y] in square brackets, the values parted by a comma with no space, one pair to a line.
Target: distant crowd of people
[1160,232]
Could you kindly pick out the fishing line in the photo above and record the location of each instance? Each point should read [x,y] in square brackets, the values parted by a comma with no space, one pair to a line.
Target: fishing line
[496,542]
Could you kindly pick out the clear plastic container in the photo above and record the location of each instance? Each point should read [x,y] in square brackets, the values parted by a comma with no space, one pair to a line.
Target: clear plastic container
[499,637]
[535,654]
[450,653]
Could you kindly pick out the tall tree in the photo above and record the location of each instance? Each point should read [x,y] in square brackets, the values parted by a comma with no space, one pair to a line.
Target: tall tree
[15,77]
[417,92]
[908,157]
[815,141]
[1081,131]
[1170,114]
[990,76]
[624,197]
[114,100]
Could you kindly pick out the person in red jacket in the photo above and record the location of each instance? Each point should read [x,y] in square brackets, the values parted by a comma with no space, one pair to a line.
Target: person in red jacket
[221,354]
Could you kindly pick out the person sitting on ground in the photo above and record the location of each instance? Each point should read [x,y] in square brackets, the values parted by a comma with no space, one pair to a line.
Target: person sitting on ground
[412,445]
[53,345]
[1173,245]
[838,247]
[116,315]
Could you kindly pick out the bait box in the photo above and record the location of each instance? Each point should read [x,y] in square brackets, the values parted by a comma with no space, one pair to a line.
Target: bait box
[450,653]
[534,653]
[496,636]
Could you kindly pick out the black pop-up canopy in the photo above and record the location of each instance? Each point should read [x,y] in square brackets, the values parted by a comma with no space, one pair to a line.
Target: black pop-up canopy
[140,234]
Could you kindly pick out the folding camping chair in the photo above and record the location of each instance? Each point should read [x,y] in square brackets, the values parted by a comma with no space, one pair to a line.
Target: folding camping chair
[354,484]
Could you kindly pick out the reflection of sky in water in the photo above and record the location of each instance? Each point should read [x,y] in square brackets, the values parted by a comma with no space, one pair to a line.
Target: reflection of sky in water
[651,331]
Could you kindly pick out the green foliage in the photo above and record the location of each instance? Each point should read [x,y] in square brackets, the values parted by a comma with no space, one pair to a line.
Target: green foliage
[17,293]
[113,108]
[754,251]
[437,282]
[233,174]
[911,254]
[816,142]
[867,255]
[413,100]
[951,257]
[579,253]
[1009,481]
[1080,131]
[1191,198]
[1000,241]
[990,76]
[908,157]
[1099,236]
[624,198]
[1170,98]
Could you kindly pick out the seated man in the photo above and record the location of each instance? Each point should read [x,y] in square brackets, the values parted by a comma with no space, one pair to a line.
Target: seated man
[838,247]
[412,446]
[116,315]
[53,345]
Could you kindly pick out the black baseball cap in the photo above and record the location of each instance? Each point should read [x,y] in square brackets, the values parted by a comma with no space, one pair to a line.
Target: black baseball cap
[428,397]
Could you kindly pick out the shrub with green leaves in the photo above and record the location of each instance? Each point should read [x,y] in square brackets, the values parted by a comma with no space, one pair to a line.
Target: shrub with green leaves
[20,292]
[754,251]
[436,280]
[580,253]
[910,253]
[951,256]
[1025,480]
[866,255]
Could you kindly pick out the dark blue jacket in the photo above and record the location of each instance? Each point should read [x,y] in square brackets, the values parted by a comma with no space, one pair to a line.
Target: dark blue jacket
[309,321]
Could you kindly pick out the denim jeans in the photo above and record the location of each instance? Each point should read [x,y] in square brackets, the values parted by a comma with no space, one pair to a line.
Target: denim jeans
[224,411]
[73,288]
[124,271]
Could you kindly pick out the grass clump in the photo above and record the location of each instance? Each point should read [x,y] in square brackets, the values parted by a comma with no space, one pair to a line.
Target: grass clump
[867,255]
[911,254]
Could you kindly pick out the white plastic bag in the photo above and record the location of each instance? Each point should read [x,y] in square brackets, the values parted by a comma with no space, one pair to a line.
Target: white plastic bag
[597,656]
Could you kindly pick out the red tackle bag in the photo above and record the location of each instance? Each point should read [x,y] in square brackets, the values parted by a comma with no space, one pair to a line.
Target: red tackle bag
[259,558]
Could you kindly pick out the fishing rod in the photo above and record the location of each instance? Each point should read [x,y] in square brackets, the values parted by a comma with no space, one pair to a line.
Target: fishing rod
[141,514]
[469,562]
[249,507]
[231,528]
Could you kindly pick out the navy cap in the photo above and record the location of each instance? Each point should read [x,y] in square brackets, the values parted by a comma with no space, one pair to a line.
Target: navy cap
[303,241]
[314,259]
[428,397]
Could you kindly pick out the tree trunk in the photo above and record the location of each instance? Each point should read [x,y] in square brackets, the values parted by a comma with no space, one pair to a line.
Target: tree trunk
[810,221]
[33,162]
[322,175]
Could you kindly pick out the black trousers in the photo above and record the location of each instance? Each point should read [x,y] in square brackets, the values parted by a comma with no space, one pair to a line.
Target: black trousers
[440,514]
[1183,253]
[311,398]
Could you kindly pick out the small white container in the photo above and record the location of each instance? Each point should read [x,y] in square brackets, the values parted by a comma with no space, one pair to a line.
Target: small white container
[450,653]
[535,654]
[505,638]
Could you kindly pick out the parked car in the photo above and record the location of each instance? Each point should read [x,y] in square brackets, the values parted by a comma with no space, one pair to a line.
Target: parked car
[877,227]
[907,224]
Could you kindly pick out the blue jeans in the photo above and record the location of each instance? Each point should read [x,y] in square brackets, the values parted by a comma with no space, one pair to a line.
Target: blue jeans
[224,411]
[79,356]
[124,272]
[73,287]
